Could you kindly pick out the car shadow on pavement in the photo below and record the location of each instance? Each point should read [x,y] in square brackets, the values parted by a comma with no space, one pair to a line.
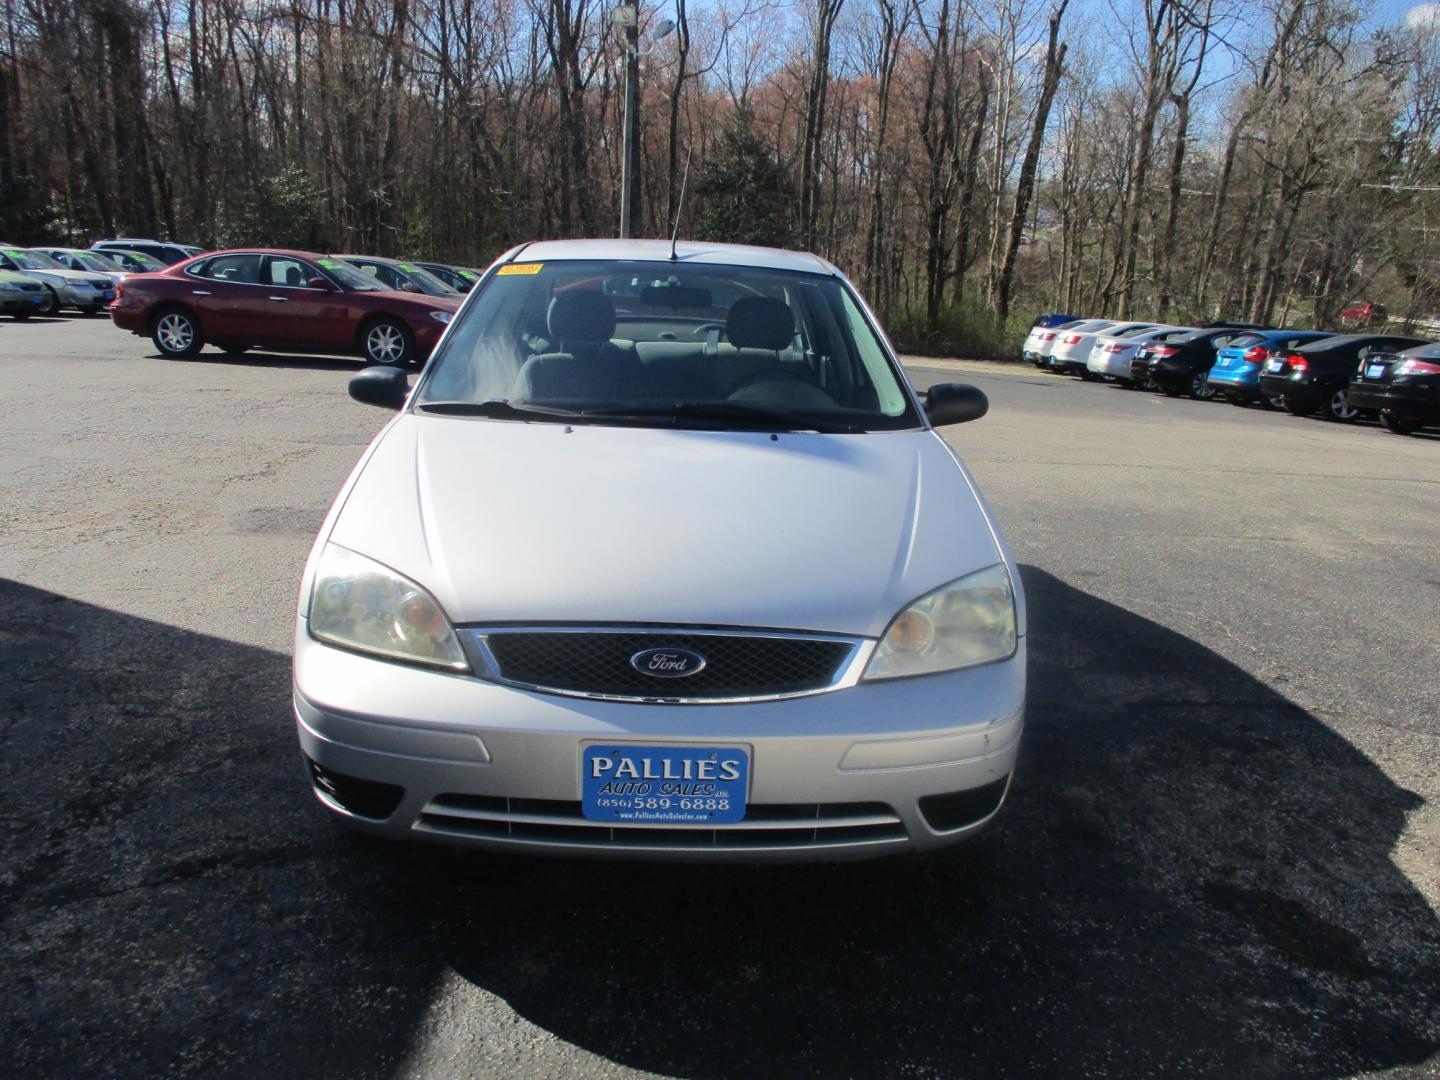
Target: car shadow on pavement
[171,900]
[1193,876]
[345,364]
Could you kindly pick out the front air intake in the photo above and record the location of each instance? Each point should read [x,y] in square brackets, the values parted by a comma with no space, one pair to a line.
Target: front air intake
[363,798]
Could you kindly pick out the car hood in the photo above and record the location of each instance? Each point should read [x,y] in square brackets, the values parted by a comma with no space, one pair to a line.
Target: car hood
[514,522]
[71,277]
[421,300]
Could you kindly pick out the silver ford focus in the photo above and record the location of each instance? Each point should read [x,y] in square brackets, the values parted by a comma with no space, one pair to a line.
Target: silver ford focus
[661,556]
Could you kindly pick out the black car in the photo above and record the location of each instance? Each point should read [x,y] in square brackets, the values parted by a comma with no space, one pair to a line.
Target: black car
[1316,377]
[457,277]
[1181,365]
[1404,388]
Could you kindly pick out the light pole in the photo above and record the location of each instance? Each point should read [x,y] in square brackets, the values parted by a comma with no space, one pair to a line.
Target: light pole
[627,17]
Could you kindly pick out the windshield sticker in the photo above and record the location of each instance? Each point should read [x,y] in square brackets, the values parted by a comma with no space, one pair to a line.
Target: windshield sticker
[410,269]
[468,276]
[512,269]
[328,264]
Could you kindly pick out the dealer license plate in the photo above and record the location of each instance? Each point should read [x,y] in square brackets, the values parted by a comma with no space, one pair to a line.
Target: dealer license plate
[642,784]
[1374,371]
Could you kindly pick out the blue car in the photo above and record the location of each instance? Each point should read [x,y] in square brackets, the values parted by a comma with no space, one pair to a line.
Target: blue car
[1053,318]
[1236,374]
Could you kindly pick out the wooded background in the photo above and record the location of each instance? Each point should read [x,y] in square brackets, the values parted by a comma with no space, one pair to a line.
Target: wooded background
[967,162]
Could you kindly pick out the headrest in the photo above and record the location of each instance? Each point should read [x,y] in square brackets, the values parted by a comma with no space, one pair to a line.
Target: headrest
[293,276]
[757,322]
[581,315]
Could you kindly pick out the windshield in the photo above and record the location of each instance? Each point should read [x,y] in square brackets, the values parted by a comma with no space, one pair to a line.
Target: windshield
[347,276]
[668,344]
[136,259]
[92,261]
[32,260]
[429,284]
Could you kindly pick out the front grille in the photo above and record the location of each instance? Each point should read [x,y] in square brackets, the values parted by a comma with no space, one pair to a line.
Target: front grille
[767,826]
[597,662]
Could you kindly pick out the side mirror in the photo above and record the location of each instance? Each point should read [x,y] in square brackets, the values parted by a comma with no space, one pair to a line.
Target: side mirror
[409,287]
[384,386]
[317,282]
[955,403]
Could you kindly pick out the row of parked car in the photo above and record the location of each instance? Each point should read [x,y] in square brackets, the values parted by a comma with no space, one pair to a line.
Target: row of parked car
[1305,372]
[390,311]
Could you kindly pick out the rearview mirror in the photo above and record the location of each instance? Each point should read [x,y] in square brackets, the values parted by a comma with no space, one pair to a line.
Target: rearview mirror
[380,385]
[955,403]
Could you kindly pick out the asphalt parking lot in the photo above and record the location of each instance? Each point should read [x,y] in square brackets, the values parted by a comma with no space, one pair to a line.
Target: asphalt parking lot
[1221,856]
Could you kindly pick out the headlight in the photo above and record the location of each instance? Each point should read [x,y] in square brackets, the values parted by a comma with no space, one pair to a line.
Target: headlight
[442,316]
[362,605]
[970,621]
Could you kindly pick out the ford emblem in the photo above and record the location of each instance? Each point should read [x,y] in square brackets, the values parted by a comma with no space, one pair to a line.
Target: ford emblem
[667,663]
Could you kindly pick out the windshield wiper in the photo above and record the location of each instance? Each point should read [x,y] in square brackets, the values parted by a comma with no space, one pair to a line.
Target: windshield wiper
[724,412]
[499,410]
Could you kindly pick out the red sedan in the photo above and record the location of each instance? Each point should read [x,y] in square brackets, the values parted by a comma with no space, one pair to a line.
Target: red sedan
[290,301]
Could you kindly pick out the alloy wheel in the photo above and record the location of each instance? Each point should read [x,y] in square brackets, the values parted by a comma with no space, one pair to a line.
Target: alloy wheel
[1200,388]
[384,344]
[1339,406]
[176,332]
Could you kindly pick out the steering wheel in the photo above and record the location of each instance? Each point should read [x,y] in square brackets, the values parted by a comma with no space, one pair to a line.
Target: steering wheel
[780,375]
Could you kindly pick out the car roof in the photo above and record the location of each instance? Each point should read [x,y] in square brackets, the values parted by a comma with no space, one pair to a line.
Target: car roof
[1342,340]
[286,252]
[686,251]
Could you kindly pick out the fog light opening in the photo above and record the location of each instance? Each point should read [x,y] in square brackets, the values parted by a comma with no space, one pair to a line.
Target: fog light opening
[960,809]
[363,798]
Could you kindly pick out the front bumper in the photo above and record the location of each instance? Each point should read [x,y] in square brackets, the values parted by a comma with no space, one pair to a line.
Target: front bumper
[21,303]
[1421,402]
[81,297]
[835,775]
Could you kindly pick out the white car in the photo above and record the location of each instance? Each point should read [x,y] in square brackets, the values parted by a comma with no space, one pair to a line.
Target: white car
[662,556]
[1041,339]
[1110,354]
[1072,349]
[79,289]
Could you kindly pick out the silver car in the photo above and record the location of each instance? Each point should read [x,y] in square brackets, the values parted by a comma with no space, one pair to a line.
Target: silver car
[92,261]
[79,289]
[662,556]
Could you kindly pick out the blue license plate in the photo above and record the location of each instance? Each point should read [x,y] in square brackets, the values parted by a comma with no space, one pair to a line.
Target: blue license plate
[641,784]
[1374,371]
[109,294]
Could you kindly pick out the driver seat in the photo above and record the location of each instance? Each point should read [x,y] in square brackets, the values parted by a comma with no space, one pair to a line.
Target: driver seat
[757,328]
